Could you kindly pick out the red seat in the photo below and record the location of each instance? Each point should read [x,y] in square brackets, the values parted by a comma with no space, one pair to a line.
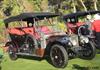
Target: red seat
[45,29]
[29,30]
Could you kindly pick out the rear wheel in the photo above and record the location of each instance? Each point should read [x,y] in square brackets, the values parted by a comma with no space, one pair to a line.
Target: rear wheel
[89,51]
[12,52]
[58,56]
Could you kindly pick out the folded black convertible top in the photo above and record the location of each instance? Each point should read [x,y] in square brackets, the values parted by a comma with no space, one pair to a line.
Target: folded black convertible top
[30,17]
[79,14]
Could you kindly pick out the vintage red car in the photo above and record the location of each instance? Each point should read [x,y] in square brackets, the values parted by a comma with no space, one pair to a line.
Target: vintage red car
[35,34]
[82,33]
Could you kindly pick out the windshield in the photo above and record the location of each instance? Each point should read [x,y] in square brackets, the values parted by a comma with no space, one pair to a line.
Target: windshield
[52,24]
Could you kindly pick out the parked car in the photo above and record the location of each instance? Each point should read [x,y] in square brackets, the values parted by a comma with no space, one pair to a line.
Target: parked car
[35,34]
[79,33]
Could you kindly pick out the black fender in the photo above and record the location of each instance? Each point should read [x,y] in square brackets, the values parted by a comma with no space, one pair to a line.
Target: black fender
[10,42]
[7,46]
[62,40]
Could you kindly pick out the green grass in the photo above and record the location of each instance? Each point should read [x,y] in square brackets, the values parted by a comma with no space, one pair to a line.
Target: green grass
[26,64]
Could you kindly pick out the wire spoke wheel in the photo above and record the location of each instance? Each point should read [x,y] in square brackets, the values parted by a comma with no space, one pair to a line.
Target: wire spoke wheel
[89,51]
[58,56]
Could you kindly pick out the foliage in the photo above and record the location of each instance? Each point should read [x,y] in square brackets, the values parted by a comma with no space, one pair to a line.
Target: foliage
[39,5]
[14,7]
[11,6]
[60,6]
[68,6]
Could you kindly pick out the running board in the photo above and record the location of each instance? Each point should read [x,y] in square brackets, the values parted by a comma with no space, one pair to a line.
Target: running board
[26,54]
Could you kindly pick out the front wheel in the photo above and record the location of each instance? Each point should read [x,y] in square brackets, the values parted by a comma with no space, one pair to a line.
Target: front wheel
[58,56]
[88,51]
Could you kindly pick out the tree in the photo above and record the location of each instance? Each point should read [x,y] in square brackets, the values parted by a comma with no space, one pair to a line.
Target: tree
[74,6]
[98,4]
[11,7]
[82,2]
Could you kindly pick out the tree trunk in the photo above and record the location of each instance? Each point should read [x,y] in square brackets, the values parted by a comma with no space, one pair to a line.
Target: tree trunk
[74,7]
[83,5]
[95,4]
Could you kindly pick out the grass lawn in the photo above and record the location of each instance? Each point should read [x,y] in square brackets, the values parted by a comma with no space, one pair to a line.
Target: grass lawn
[26,64]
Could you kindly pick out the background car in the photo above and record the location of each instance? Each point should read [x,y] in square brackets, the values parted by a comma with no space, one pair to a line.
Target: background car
[79,33]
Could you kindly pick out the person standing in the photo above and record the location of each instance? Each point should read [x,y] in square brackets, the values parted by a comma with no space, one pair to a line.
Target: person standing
[96,29]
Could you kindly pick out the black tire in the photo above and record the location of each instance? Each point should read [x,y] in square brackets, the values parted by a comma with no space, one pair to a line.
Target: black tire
[12,52]
[90,51]
[58,56]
